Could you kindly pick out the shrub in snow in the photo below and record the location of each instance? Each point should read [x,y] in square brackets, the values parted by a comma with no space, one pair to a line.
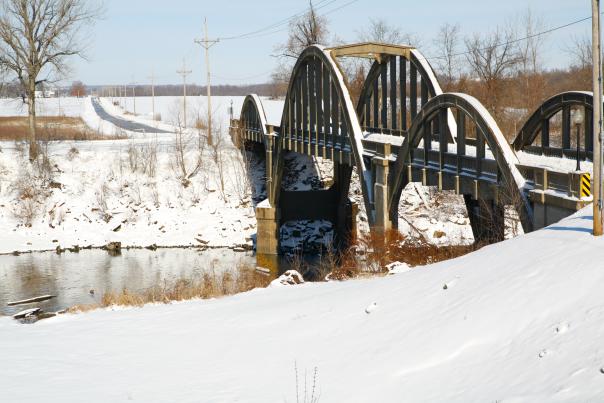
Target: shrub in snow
[290,277]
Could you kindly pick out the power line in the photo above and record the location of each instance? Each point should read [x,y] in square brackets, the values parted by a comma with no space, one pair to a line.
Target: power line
[286,28]
[321,4]
[547,31]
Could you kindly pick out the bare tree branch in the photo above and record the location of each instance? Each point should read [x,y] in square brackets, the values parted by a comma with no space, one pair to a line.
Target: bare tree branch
[37,36]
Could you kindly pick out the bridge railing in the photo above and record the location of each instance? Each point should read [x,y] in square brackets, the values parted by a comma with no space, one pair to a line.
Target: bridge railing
[547,185]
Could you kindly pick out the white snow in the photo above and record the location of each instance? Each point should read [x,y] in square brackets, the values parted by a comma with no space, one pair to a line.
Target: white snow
[494,334]
[65,106]
[147,209]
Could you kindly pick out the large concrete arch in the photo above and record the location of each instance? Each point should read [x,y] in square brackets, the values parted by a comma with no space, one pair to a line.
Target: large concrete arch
[504,174]
[538,124]
[319,119]
[384,103]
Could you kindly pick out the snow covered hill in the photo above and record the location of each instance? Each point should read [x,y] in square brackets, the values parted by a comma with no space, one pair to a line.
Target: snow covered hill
[519,321]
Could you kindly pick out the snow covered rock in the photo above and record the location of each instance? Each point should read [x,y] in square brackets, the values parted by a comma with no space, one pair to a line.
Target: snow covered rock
[290,277]
[397,267]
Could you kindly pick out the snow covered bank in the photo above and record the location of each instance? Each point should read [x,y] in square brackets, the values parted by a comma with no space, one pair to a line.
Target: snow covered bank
[519,321]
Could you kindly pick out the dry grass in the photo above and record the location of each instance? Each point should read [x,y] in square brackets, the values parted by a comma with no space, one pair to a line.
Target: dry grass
[371,254]
[209,285]
[49,128]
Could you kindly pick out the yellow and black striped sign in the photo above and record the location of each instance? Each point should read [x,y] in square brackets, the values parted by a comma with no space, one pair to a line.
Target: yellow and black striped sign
[585,185]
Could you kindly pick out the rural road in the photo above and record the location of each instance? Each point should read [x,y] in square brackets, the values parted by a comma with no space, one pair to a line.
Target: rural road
[123,123]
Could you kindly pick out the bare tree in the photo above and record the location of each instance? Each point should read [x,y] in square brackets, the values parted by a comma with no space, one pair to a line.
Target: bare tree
[36,37]
[447,63]
[492,57]
[309,29]
[380,31]
[304,31]
[529,67]
[580,51]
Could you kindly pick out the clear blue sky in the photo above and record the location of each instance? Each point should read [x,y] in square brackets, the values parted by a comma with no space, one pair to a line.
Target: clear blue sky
[136,36]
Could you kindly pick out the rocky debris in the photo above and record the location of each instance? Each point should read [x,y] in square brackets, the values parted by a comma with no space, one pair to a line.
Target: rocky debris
[290,277]
[263,271]
[25,313]
[397,267]
[116,229]
[113,247]
[29,316]
[439,234]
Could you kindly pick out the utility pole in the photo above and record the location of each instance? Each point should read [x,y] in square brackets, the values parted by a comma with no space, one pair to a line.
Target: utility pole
[152,78]
[184,73]
[597,119]
[134,95]
[207,44]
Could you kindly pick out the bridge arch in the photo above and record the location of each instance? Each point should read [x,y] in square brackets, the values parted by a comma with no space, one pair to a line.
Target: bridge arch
[537,128]
[481,164]
[319,119]
[252,120]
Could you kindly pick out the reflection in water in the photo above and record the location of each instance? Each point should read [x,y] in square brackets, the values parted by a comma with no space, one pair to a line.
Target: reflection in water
[72,276]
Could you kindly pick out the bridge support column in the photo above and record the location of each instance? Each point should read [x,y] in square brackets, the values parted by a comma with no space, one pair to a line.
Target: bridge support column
[486,219]
[381,164]
[267,230]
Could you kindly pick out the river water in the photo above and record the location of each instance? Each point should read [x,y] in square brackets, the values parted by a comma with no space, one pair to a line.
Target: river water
[72,276]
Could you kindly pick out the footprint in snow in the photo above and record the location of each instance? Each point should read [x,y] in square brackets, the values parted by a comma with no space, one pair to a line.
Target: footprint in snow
[544,352]
[451,283]
[372,307]
[562,327]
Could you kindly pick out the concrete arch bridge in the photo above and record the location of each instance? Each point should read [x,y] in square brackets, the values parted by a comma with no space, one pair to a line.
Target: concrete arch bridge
[403,129]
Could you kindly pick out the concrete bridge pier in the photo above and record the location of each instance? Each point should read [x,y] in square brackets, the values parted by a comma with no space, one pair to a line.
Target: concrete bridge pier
[267,229]
[380,165]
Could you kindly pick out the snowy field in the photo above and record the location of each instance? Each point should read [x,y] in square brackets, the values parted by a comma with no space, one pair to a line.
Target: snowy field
[130,191]
[65,106]
[170,109]
[519,321]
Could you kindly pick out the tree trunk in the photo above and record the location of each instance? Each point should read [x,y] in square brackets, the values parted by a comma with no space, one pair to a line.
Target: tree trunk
[31,104]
